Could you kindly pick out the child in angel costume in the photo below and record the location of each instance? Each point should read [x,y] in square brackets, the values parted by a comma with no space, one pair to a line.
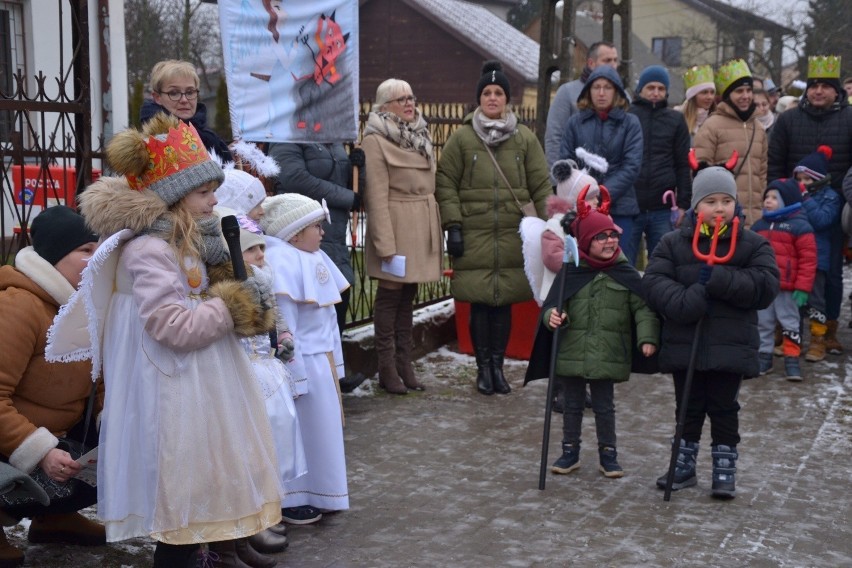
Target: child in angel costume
[307,285]
[186,453]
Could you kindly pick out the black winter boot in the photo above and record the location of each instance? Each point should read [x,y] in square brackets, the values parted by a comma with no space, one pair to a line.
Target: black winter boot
[609,462]
[684,469]
[175,555]
[724,470]
[479,336]
[569,460]
[501,327]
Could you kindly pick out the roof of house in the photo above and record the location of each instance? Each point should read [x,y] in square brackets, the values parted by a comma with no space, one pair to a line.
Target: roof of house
[727,14]
[484,32]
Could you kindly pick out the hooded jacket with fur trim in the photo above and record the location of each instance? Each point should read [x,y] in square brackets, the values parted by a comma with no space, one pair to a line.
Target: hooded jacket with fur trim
[39,401]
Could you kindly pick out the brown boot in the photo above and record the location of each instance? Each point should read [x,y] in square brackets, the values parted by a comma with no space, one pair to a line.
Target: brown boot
[831,344]
[247,554]
[816,351]
[384,321]
[223,554]
[66,528]
[9,555]
[404,339]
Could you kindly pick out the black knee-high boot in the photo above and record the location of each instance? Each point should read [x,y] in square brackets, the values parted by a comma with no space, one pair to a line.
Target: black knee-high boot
[501,326]
[480,337]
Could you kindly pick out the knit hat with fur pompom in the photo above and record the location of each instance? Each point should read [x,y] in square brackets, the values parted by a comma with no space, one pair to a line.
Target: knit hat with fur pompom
[286,214]
[167,157]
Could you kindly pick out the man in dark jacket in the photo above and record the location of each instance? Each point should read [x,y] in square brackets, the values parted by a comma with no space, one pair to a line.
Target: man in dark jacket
[822,117]
[665,160]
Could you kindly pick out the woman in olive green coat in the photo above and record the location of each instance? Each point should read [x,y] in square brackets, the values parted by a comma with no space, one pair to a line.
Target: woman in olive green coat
[482,217]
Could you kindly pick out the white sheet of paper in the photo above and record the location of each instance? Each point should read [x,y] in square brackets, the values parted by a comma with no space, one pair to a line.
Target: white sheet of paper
[89,473]
[395,267]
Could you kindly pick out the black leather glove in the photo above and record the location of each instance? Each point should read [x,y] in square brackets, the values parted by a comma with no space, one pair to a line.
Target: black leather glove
[455,243]
[356,201]
[356,158]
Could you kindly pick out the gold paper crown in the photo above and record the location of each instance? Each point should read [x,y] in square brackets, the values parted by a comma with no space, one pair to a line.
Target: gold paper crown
[824,67]
[697,75]
[178,150]
[730,72]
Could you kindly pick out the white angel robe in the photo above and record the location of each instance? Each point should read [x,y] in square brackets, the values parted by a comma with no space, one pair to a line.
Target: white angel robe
[306,286]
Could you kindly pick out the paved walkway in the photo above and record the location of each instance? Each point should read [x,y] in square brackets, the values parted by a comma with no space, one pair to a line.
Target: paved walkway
[449,478]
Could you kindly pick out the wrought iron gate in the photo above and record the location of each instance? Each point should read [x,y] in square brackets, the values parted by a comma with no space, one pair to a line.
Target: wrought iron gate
[45,122]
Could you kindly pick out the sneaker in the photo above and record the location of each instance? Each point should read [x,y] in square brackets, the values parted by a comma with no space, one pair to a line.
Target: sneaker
[765,360]
[608,462]
[791,367]
[569,461]
[302,515]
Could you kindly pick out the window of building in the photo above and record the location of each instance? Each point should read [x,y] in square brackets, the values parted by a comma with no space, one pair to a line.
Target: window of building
[668,49]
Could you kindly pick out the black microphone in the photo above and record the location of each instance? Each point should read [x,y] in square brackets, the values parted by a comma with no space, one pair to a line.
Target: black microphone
[231,230]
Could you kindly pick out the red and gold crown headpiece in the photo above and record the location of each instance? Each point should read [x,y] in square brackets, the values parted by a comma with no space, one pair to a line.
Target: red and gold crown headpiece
[167,157]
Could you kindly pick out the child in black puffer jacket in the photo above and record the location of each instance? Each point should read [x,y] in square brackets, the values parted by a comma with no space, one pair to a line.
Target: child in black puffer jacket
[684,289]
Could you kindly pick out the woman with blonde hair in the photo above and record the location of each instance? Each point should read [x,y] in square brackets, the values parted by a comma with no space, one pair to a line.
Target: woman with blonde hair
[404,245]
[700,99]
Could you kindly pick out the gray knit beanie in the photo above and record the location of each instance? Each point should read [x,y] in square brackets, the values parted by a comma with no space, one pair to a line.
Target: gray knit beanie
[714,179]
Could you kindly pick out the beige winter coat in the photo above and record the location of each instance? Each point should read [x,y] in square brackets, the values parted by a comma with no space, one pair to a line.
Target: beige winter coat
[402,214]
[721,134]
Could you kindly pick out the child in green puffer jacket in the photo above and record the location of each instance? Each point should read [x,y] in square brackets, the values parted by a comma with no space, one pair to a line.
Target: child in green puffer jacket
[602,301]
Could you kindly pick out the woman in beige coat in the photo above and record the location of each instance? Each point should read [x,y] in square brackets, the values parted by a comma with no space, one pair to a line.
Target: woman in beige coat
[403,225]
[734,126]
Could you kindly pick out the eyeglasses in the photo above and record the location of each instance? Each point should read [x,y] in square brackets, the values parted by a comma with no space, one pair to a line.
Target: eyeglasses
[604,237]
[190,94]
[406,99]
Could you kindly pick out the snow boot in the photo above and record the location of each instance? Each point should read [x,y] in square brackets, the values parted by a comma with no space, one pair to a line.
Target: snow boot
[223,554]
[384,321]
[248,555]
[480,334]
[831,344]
[267,542]
[724,470]
[816,351]
[66,528]
[765,360]
[609,462]
[9,555]
[569,460]
[684,469]
[404,338]
[791,367]
[501,327]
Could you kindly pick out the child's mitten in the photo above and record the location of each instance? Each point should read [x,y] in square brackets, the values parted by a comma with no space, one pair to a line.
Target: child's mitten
[251,304]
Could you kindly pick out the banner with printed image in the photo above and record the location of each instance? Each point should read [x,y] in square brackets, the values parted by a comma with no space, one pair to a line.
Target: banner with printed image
[292,69]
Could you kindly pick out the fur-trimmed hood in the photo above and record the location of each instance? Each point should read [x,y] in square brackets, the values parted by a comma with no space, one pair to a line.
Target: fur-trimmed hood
[110,205]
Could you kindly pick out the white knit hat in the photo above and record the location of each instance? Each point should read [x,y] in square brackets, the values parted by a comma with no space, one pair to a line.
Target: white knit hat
[240,191]
[286,214]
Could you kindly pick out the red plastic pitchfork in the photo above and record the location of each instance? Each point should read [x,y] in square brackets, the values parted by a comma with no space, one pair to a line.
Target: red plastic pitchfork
[710,258]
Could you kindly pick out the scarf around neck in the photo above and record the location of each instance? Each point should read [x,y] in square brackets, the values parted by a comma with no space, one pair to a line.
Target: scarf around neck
[212,248]
[413,136]
[493,131]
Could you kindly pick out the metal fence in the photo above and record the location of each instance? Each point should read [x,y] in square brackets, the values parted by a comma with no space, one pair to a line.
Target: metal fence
[45,128]
[443,119]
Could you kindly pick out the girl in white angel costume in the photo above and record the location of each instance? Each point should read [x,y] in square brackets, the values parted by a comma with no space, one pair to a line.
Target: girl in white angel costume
[307,284]
[186,454]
